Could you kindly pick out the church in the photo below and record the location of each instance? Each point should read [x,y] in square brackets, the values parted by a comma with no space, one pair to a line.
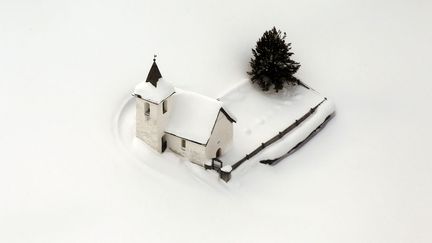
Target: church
[194,126]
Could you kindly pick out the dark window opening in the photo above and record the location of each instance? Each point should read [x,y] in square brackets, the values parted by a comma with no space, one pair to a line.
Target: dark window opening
[218,152]
[147,109]
[164,107]
[164,143]
[183,143]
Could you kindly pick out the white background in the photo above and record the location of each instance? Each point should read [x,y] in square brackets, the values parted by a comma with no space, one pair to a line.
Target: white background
[67,66]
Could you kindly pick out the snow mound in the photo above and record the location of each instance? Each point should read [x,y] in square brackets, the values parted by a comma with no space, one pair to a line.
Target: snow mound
[227,168]
[147,91]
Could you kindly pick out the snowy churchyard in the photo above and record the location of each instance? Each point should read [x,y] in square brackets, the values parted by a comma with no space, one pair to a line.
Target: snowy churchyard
[260,116]
[277,110]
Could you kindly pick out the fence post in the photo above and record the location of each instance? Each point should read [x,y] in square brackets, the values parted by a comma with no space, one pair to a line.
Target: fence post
[208,165]
[225,173]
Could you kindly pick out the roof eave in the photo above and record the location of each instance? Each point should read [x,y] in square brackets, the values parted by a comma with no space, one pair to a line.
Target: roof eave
[229,117]
[156,103]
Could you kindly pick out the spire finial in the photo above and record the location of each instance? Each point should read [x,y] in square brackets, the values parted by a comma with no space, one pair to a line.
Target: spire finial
[154,57]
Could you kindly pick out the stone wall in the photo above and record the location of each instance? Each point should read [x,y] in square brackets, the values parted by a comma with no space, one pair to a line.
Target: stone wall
[151,128]
[192,151]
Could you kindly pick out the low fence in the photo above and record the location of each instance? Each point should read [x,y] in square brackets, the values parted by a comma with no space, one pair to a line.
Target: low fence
[216,164]
[271,140]
[300,144]
[277,137]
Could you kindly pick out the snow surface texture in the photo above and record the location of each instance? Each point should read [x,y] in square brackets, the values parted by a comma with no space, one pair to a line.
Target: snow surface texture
[154,94]
[261,116]
[298,134]
[193,116]
[68,67]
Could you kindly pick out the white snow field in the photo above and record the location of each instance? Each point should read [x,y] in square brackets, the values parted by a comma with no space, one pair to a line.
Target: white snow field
[67,71]
[261,116]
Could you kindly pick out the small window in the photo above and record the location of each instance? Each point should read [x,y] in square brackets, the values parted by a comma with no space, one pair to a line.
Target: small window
[183,144]
[164,107]
[147,109]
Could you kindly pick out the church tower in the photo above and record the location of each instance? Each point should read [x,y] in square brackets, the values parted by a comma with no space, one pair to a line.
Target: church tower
[153,107]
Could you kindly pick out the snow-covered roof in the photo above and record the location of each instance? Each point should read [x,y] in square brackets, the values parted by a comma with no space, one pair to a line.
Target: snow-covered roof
[146,90]
[193,116]
[228,113]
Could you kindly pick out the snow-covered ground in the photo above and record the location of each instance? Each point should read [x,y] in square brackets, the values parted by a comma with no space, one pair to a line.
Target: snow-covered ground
[67,69]
[261,116]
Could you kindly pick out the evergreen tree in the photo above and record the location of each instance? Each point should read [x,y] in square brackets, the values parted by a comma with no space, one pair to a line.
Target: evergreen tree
[271,62]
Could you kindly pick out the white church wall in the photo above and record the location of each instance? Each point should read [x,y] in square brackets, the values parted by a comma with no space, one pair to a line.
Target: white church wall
[151,128]
[221,137]
[192,151]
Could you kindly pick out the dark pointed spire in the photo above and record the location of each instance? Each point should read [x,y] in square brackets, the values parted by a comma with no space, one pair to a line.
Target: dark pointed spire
[154,74]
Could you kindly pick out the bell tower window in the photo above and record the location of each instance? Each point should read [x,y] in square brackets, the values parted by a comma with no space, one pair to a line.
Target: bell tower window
[164,107]
[147,109]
